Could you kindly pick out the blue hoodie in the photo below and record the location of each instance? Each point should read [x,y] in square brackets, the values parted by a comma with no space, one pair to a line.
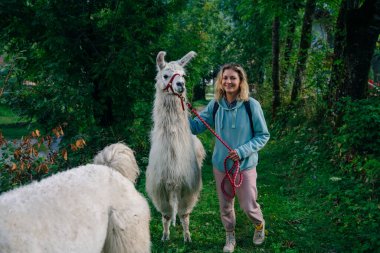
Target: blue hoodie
[233,126]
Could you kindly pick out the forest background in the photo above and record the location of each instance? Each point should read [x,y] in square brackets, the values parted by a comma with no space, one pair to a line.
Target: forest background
[78,75]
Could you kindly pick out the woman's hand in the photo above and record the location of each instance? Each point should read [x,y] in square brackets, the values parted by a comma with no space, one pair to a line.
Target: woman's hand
[233,155]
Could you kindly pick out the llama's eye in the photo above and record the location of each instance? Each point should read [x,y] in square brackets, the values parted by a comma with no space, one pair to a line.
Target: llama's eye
[166,76]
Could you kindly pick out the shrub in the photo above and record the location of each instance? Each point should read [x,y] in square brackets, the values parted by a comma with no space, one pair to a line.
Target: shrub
[360,131]
[23,163]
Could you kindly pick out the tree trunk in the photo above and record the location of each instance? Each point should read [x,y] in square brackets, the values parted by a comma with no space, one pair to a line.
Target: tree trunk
[275,65]
[199,90]
[287,52]
[338,73]
[303,49]
[102,108]
[361,26]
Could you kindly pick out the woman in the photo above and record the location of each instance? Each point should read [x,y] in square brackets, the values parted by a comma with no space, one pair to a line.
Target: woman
[232,123]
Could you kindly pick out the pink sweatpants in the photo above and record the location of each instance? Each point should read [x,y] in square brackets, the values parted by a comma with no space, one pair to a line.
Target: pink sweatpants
[246,194]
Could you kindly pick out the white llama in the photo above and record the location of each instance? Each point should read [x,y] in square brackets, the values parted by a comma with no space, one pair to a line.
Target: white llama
[93,208]
[173,176]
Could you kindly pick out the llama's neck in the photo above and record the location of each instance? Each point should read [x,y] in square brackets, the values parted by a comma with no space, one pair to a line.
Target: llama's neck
[168,112]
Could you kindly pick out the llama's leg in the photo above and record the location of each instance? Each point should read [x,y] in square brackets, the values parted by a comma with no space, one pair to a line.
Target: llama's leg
[185,207]
[166,225]
[185,221]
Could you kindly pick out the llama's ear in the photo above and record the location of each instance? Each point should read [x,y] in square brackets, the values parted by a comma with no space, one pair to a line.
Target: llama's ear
[190,55]
[161,60]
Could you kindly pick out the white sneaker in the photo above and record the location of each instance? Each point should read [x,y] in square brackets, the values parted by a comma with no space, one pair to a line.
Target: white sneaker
[259,235]
[230,242]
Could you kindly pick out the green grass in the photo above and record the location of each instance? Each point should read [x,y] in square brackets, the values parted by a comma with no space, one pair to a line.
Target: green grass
[294,185]
[17,130]
[287,215]
[12,126]
[7,116]
[292,202]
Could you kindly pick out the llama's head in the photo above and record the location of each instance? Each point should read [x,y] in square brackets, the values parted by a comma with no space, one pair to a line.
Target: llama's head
[170,76]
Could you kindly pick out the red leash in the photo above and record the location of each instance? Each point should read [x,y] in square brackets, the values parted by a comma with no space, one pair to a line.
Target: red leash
[230,174]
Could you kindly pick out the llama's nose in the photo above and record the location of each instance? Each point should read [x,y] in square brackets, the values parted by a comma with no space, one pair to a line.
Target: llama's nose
[180,86]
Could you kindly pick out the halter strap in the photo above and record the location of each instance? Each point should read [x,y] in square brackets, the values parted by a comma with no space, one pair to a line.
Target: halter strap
[170,86]
[170,83]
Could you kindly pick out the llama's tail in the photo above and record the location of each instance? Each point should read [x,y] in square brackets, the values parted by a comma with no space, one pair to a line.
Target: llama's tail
[173,200]
[121,237]
[121,158]
[115,239]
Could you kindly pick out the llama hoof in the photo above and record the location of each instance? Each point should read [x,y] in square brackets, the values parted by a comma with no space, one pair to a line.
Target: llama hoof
[187,237]
[165,237]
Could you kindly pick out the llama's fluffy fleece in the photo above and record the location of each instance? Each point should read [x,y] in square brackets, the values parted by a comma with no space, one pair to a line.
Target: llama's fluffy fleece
[173,176]
[91,208]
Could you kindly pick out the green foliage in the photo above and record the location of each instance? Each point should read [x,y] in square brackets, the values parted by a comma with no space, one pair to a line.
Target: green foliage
[356,153]
[356,203]
[245,43]
[359,133]
[332,197]
[89,67]
[52,106]
[199,26]
[139,131]
[318,71]
[199,92]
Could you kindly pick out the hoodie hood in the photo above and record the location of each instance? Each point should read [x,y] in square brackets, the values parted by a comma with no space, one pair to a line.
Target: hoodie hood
[232,111]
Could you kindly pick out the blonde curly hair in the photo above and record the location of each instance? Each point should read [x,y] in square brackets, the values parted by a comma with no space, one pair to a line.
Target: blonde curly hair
[243,94]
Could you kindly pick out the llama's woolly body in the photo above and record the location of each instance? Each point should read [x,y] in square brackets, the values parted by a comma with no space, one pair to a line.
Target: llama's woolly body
[173,179]
[73,211]
[173,163]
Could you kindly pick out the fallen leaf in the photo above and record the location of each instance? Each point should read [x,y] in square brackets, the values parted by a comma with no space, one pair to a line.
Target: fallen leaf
[14,167]
[73,147]
[64,154]
[80,143]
